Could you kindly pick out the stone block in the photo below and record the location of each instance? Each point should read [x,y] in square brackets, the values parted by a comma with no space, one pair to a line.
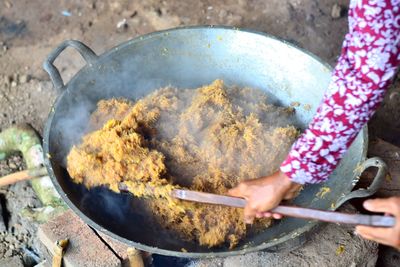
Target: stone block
[85,248]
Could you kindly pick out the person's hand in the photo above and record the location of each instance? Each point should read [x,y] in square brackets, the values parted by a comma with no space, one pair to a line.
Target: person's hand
[386,236]
[264,194]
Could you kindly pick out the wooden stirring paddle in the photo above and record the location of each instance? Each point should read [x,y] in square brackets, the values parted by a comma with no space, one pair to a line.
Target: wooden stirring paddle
[291,211]
[22,175]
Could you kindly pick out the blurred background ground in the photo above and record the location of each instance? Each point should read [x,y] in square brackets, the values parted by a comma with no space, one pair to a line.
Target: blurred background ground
[29,30]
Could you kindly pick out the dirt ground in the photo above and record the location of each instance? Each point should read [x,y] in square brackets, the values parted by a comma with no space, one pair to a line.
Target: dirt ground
[29,30]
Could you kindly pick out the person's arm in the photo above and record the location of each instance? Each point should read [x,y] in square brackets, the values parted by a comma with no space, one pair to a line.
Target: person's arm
[368,62]
[386,236]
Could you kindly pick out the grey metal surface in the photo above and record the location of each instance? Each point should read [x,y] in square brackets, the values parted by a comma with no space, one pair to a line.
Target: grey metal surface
[54,74]
[188,58]
[373,187]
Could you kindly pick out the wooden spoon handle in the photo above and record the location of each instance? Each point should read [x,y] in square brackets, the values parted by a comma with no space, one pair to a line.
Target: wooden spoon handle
[22,175]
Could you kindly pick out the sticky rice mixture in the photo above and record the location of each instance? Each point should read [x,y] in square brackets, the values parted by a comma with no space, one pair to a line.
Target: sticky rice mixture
[205,139]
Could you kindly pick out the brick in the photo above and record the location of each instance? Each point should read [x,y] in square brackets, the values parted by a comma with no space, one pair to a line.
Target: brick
[118,247]
[85,247]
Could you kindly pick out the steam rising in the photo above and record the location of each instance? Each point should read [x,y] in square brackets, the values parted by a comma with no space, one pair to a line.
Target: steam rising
[208,139]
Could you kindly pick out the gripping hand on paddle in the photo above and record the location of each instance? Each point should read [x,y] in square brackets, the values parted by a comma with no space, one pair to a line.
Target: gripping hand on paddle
[265,193]
[386,236]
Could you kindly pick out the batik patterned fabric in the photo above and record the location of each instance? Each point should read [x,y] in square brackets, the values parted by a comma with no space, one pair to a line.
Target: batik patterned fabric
[368,62]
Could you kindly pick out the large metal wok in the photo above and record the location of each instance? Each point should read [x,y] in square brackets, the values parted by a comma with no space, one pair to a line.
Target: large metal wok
[188,58]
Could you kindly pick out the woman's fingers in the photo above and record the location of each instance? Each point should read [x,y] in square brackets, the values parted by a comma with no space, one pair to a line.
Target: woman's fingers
[235,192]
[264,214]
[373,232]
[277,216]
[366,233]
[239,191]
[249,214]
[268,214]
[263,194]
[386,236]
[273,215]
[390,205]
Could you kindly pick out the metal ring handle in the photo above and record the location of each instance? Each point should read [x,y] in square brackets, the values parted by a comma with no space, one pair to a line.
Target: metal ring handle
[88,55]
[376,182]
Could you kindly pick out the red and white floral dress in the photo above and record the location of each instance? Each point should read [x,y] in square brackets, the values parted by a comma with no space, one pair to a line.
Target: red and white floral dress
[368,62]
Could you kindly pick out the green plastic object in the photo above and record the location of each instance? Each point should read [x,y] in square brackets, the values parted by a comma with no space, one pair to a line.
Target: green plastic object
[24,139]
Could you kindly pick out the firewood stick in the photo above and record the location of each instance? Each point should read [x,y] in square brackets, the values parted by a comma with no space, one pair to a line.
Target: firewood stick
[22,175]
[135,258]
[61,246]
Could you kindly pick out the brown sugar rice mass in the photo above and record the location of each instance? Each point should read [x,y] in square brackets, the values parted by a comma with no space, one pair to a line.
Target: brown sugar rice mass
[208,139]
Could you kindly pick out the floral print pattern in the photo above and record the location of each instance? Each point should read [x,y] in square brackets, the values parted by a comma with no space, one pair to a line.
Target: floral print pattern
[368,62]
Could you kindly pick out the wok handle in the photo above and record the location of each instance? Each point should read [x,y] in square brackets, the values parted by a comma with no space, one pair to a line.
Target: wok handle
[88,55]
[376,182]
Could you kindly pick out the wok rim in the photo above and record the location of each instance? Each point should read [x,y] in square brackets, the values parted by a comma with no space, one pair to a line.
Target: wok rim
[240,251]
